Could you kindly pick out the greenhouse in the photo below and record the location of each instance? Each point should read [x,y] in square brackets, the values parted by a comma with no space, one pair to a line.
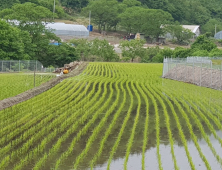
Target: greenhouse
[218,35]
[62,29]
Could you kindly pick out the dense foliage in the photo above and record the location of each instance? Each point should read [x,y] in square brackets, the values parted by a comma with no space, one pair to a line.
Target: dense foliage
[29,39]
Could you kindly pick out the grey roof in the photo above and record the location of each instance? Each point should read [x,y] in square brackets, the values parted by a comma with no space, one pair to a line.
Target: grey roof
[218,35]
[68,29]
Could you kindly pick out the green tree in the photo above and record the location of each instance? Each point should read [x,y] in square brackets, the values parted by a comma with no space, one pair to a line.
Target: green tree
[131,19]
[155,21]
[132,49]
[149,54]
[83,48]
[7,3]
[104,13]
[12,42]
[59,55]
[210,26]
[180,52]
[131,3]
[103,50]
[203,43]
[30,18]
[75,4]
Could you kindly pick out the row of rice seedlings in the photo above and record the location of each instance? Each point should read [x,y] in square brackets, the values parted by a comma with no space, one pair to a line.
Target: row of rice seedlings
[182,136]
[113,151]
[43,98]
[157,131]
[99,127]
[206,137]
[26,135]
[56,147]
[146,124]
[130,141]
[39,116]
[157,94]
[190,130]
[109,130]
[87,126]
[204,107]
[67,123]
[26,109]
[10,114]
[195,117]
[23,129]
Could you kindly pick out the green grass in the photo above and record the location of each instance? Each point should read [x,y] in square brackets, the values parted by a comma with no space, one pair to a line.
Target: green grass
[14,84]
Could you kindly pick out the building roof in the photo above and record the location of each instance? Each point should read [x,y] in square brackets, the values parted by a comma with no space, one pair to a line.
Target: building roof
[68,29]
[218,35]
[192,28]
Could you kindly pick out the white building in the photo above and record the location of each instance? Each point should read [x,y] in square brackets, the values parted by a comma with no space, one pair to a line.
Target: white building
[193,28]
[62,29]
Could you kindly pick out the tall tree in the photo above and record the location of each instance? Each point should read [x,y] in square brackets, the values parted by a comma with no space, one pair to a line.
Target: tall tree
[104,13]
[131,19]
[7,3]
[154,21]
[13,42]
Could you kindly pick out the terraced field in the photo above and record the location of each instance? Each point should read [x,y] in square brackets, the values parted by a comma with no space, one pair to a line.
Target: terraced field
[13,84]
[115,116]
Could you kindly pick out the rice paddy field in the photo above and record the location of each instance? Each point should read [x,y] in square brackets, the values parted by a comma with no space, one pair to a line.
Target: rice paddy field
[115,116]
[12,84]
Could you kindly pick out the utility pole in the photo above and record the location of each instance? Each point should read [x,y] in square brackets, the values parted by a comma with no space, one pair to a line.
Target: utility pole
[53,10]
[215,28]
[89,20]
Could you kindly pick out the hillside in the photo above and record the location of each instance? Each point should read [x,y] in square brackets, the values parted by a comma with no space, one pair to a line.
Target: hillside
[197,12]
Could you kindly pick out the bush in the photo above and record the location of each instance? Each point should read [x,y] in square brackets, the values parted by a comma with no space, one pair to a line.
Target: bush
[181,52]
[203,43]
[197,52]
[216,53]
[149,54]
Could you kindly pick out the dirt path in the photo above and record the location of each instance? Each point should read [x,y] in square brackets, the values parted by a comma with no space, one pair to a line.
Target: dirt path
[40,89]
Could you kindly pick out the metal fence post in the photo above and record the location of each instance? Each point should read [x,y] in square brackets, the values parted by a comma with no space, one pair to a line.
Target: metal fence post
[19,66]
[220,74]
[176,71]
[201,73]
[34,74]
[193,70]
[211,74]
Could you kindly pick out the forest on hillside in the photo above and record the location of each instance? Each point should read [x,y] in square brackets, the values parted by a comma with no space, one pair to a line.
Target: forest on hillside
[197,12]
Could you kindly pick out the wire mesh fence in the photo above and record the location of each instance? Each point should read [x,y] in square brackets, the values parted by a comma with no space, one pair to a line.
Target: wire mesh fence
[23,66]
[202,71]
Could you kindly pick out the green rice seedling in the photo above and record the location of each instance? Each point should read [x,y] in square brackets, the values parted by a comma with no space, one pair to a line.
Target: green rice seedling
[108,131]
[64,127]
[99,127]
[122,128]
[130,142]
[191,132]
[145,138]
[167,120]
[183,139]
[85,128]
